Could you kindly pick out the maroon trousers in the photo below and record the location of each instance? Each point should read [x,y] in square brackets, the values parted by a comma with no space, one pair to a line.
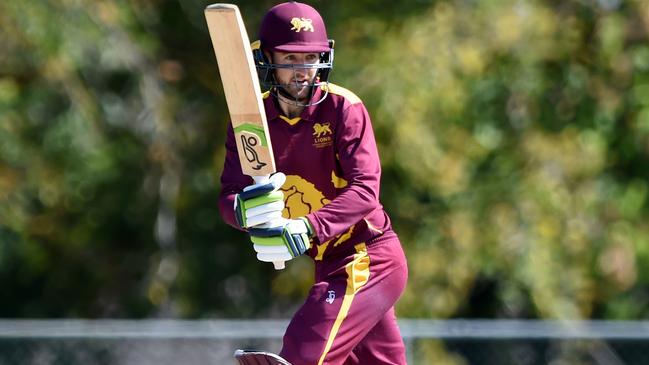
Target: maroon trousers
[348,317]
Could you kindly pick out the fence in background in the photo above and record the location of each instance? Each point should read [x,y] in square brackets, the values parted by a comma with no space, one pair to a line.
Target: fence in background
[461,342]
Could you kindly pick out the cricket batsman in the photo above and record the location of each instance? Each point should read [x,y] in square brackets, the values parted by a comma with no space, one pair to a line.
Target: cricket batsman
[323,203]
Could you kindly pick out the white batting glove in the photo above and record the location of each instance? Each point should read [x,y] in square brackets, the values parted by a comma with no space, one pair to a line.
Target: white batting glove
[289,239]
[260,203]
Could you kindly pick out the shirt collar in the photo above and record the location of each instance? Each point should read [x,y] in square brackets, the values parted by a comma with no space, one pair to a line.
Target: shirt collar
[270,104]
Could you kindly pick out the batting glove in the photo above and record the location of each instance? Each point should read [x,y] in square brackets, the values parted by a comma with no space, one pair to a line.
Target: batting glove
[260,203]
[283,242]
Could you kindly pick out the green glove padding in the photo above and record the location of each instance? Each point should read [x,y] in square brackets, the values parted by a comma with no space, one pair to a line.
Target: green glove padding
[283,242]
[260,203]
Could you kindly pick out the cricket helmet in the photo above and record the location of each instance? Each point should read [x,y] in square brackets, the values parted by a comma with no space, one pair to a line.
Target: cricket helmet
[293,27]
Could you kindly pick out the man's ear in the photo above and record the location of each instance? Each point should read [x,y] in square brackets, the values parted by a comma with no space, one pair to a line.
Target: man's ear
[269,56]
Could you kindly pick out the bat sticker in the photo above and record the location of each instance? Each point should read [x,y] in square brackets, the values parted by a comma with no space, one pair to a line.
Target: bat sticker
[249,142]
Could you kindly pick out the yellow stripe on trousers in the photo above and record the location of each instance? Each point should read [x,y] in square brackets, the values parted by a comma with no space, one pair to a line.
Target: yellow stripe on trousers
[358,272]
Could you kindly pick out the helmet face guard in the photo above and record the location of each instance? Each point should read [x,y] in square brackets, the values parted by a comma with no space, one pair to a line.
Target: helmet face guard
[266,72]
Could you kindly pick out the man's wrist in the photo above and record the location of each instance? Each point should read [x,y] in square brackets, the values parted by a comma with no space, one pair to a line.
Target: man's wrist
[309,227]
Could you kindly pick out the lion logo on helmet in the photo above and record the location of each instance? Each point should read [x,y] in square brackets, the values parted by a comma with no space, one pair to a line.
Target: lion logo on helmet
[302,24]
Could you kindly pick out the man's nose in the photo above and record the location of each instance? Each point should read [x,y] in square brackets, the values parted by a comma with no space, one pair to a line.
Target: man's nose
[300,72]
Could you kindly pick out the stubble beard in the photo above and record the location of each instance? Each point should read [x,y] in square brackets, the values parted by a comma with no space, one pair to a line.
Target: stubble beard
[298,92]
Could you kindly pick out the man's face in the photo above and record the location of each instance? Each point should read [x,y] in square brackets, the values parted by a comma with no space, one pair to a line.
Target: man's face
[296,81]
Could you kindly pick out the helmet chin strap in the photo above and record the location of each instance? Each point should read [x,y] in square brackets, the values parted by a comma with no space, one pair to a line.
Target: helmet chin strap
[289,99]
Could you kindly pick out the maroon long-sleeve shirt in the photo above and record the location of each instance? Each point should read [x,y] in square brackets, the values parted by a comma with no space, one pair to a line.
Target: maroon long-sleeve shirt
[333,171]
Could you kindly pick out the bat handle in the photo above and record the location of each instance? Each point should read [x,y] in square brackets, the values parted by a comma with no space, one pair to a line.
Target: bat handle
[279,265]
[261,179]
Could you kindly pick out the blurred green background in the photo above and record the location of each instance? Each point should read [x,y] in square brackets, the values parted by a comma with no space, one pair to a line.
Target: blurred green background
[514,137]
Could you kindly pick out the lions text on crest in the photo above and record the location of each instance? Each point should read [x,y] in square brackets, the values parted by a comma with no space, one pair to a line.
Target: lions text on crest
[322,135]
[302,24]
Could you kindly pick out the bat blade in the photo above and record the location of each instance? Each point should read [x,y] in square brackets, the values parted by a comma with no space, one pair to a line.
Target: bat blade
[242,92]
[241,86]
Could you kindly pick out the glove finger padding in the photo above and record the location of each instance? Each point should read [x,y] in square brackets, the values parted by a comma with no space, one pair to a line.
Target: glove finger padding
[260,203]
[259,233]
[272,253]
[270,249]
[274,257]
[266,208]
[292,236]
[274,183]
[265,213]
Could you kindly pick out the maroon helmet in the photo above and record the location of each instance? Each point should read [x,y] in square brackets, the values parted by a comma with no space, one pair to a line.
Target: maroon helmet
[293,27]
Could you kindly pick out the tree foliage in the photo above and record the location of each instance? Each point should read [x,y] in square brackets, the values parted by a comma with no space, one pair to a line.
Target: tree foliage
[514,138]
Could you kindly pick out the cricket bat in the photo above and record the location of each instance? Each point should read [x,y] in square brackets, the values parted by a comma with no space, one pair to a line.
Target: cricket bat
[242,92]
[254,357]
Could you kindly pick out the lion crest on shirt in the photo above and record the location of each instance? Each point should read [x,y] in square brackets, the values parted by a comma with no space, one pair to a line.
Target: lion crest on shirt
[322,135]
[321,129]
[301,197]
